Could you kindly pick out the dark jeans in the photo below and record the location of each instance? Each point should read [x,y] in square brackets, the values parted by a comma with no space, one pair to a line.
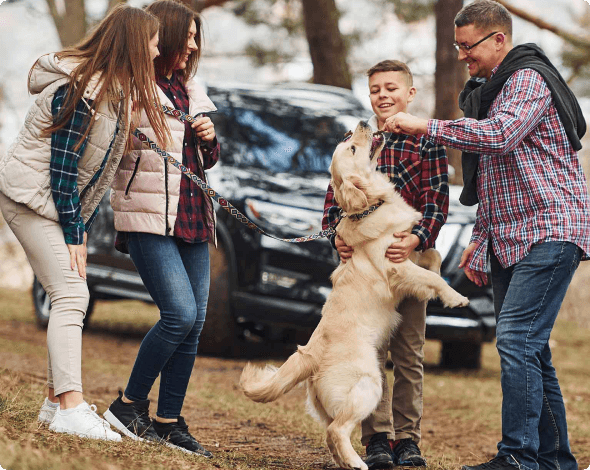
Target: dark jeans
[176,274]
[527,299]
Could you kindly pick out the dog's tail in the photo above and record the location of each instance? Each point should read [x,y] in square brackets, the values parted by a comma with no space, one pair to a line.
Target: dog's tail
[269,383]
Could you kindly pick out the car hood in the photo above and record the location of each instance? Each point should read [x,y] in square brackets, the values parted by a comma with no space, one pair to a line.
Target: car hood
[305,191]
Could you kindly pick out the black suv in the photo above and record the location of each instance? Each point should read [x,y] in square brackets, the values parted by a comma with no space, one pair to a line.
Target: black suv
[277,142]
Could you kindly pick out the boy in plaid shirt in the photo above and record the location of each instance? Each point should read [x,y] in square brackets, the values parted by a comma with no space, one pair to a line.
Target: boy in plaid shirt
[418,168]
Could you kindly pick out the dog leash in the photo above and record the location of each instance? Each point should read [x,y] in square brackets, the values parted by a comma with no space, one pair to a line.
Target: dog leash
[224,203]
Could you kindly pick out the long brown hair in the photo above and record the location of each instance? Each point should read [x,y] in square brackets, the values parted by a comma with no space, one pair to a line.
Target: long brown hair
[175,22]
[118,50]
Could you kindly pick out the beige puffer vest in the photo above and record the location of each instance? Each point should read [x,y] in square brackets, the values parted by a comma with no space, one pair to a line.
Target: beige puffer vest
[146,188]
[24,170]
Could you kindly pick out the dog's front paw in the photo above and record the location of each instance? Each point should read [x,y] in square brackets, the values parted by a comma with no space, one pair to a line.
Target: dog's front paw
[453,299]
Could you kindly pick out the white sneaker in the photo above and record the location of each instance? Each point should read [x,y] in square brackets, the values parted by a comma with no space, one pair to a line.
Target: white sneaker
[47,411]
[84,422]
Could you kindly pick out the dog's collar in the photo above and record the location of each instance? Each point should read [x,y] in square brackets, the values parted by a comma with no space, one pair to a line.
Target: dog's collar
[362,215]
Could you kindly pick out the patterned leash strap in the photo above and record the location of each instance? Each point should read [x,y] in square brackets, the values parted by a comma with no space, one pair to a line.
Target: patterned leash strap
[178,114]
[214,195]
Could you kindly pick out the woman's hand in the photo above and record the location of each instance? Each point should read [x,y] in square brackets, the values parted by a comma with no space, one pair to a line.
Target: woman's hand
[78,256]
[204,129]
[343,249]
[398,252]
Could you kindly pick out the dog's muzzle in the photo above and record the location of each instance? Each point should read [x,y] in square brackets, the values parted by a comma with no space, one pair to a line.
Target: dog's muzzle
[377,141]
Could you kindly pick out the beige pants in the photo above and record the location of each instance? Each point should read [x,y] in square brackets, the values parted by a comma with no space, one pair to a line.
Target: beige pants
[48,254]
[400,418]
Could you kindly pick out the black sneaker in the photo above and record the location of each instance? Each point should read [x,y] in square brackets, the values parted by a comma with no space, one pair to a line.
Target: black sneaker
[379,452]
[176,435]
[505,462]
[407,454]
[132,419]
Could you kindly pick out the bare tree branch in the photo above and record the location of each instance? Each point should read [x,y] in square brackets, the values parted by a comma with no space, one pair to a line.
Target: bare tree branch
[200,5]
[575,39]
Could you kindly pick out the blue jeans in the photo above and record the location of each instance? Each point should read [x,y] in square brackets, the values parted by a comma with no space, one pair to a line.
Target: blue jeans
[527,299]
[176,274]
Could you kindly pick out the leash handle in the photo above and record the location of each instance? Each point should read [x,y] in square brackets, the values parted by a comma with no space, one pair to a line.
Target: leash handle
[224,203]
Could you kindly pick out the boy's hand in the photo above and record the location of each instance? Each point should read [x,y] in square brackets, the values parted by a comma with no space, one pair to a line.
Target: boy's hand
[402,123]
[477,277]
[344,250]
[400,251]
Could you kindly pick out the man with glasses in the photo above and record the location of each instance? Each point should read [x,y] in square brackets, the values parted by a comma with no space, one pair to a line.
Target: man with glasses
[521,131]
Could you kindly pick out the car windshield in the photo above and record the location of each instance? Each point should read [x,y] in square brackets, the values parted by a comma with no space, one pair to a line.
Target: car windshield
[280,138]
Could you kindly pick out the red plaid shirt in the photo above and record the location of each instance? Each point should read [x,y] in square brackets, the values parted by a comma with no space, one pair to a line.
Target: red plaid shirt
[194,220]
[419,170]
[530,184]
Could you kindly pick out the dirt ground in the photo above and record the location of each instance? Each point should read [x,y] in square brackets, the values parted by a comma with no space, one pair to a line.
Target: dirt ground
[221,431]
[461,423]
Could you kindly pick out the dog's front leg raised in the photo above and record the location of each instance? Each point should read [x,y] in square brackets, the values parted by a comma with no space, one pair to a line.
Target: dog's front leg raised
[423,284]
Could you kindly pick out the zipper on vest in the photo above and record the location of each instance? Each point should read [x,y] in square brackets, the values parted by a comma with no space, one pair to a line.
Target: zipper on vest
[132,176]
[168,229]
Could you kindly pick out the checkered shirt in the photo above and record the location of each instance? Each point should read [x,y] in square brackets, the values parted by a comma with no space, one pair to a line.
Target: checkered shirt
[63,169]
[530,184]
[194,219]
[419,170]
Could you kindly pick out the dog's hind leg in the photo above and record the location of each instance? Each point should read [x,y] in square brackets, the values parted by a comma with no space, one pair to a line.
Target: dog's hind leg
[314,405]
[360,402]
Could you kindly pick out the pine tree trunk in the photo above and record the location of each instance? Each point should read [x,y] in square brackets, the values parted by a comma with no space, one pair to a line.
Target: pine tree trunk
[450,75]
[326,44]
[71,22]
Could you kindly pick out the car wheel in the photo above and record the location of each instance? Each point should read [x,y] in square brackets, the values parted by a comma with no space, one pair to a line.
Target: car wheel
[43,305]
[460,355]
[220,335]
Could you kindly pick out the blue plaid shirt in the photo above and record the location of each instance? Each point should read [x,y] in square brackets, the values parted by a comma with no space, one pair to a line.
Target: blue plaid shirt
[63,169]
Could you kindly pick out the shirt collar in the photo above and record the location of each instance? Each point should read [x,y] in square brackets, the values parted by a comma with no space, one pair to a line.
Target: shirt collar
[494,70]
[164,82]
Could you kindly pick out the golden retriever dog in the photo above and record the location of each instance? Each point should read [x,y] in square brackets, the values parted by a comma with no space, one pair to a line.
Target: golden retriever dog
[340,360]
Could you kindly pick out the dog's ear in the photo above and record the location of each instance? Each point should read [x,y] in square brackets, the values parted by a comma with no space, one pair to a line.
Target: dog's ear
[352,197]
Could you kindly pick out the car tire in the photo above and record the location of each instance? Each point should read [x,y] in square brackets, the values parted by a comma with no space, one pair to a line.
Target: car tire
[43,305]
[460,355]
[220,335]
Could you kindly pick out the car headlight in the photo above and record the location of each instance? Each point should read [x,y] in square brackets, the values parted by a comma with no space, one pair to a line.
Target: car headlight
[294,219]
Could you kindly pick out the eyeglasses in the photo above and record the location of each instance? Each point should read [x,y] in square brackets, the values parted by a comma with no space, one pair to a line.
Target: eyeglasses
[467,49]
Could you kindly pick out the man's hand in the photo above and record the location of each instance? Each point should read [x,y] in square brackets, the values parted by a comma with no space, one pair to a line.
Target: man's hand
[398,252]
[78,255]
[402,123]
[204,129]
[343,249]
[477,277]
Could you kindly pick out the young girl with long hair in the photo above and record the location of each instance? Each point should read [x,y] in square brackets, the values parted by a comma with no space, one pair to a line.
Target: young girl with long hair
[56,173]
[166,221]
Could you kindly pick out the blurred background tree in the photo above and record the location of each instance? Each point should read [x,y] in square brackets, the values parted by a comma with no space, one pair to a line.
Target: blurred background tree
[316,22]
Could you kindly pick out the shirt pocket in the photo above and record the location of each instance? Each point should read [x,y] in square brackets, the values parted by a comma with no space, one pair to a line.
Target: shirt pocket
[409,173]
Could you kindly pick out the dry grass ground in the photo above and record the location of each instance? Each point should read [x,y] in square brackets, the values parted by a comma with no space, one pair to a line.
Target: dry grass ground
[461,418]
